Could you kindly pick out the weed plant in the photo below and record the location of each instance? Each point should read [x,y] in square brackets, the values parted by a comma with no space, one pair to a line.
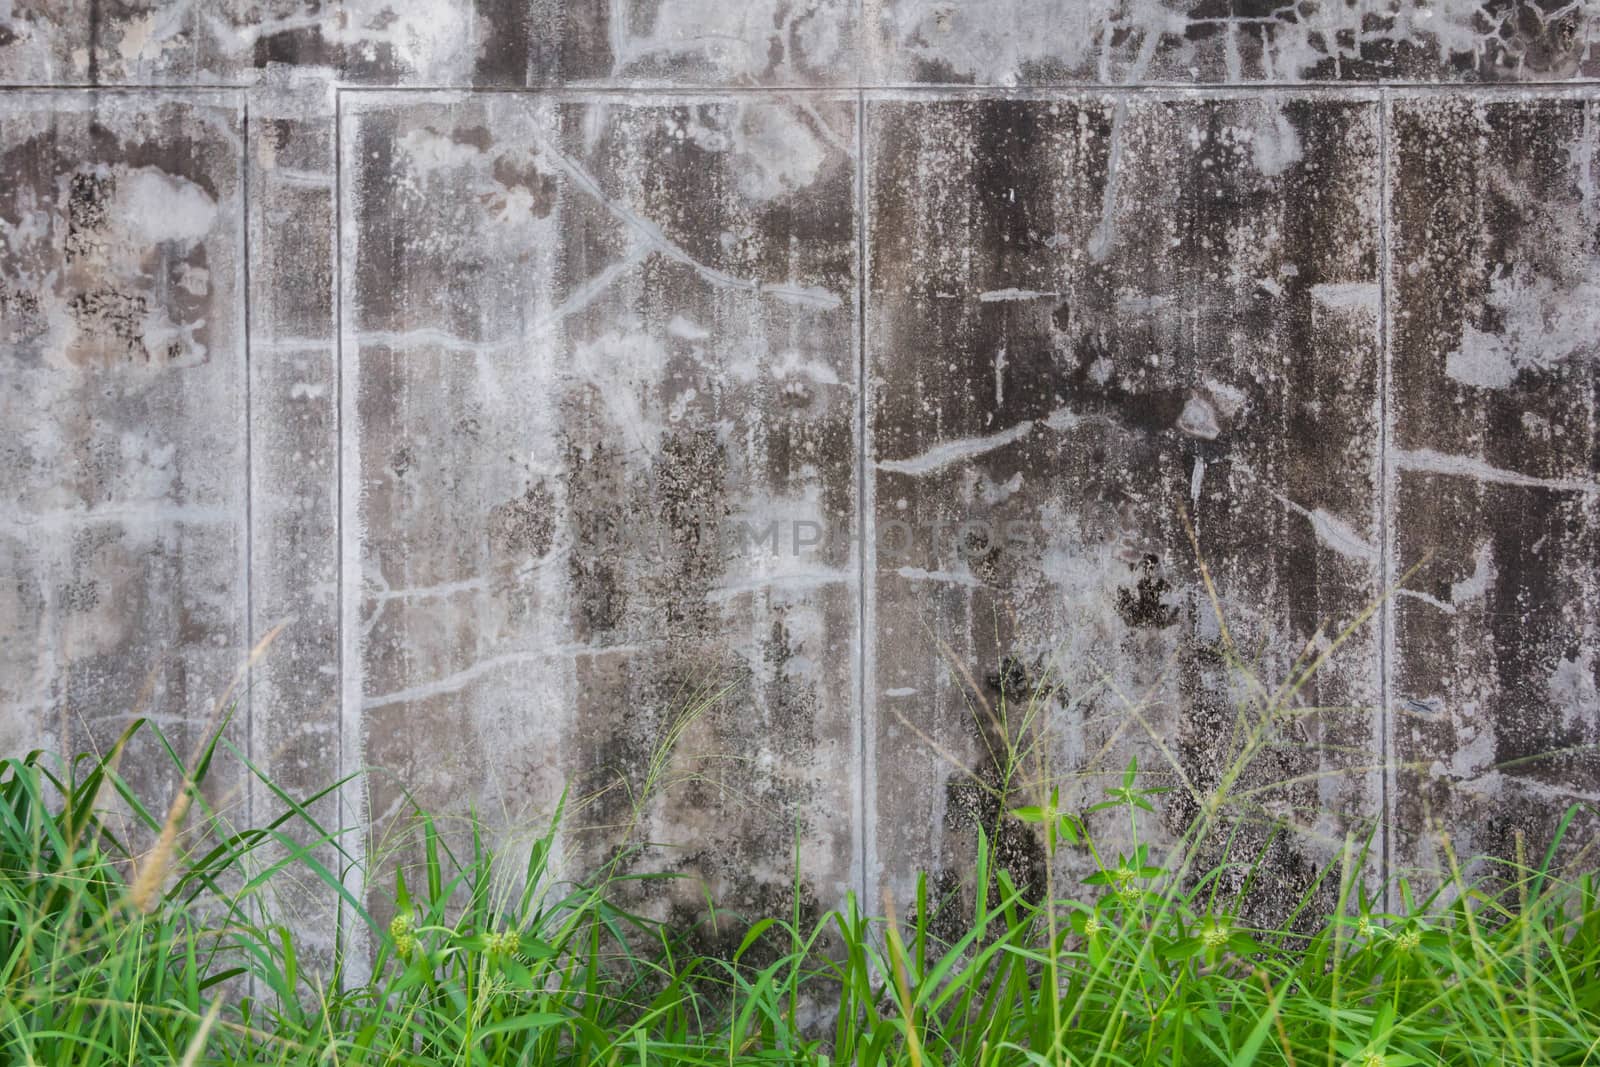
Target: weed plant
[169,952]
[108,960]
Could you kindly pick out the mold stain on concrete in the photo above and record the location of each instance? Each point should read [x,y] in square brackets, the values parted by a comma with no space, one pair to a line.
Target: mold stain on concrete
[1012,42]
[637,367]
[119,319]
[985,212]
[1142,605]
[1495,473]
[584,331]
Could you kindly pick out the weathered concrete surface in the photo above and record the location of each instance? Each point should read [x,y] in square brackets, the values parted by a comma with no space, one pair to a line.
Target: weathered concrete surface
[431,42]
[799,42]
[581,338]
[1046,42]
[1494,468]
[1090,317]
[294,472]
[123,421]
[486,452]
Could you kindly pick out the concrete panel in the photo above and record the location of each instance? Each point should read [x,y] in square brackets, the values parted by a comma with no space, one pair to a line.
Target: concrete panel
[586,342]
[1047,42]
[686,42]
[1494,468]
[431,42]
[589,435]
[1086,317]
[122,419]
[200,42]
[294,454]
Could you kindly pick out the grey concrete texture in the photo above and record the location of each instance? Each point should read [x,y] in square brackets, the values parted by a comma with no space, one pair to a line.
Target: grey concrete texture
[125,407]
[1093,317]
[1494,445]
[545,369]
[629,325]
[505,43]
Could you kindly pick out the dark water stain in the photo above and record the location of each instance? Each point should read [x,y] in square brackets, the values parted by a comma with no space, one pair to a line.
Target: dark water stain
[595,485]
[383,267]
[690,503]
[1011,681]
[21,316]
[1469,219]
[1152,410]
[113,314]
[981,797]
[541,187]
[1014,847]
[523,526]
[939,71]
[88,203]
[207,163]
[792,708]
[1527,634]
[724,814]
[1261,864]
[94,42]
[504,53]
[720,934]
[1142,607]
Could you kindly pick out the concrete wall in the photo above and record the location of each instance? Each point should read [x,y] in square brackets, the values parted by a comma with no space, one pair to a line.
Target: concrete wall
[459,336]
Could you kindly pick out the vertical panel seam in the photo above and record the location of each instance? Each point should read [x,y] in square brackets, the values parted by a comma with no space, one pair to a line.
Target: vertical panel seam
[249,470]
[1385,554]
[863,539]
[863,719]
[338,479]
[354,810]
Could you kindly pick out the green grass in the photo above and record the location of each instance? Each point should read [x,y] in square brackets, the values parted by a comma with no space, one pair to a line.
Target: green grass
[132,934]
[172,957]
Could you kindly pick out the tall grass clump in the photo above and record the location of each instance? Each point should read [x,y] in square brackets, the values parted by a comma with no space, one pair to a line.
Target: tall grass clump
[1142,967]
[134,932]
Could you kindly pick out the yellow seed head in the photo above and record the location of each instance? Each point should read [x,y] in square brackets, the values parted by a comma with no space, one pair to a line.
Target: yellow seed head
[146,891]
[504,944]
